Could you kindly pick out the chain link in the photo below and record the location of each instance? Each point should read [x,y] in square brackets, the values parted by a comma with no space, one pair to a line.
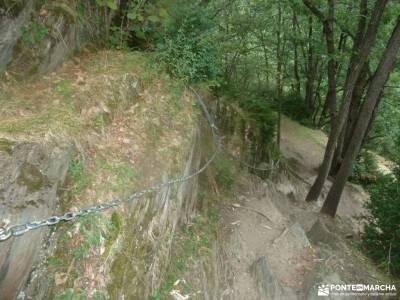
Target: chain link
[17,230]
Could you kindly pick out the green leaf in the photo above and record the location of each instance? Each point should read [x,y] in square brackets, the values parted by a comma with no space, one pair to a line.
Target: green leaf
[131,16]
[140,34]
[112,5]
[163,12]
[153,19]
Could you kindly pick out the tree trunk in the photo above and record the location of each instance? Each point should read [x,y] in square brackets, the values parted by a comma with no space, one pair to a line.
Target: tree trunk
[359,57]
[279,73]
[372,100]
[330,45]
[347,131]
[310,67]
[295,58]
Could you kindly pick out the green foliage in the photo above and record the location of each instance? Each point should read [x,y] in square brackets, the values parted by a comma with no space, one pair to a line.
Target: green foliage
[224,172]
[111,4]
[260,109]
[80,177]
[34,32]
[365,170]
[192,243]
[385,135]
[113,229]
[71,294]
[155,295]
[89,228]
[102,120]
[145,19]
[64,88]
[117,38]
[123,175]
[296,108]
[186,48]
[381,237]
[181,32]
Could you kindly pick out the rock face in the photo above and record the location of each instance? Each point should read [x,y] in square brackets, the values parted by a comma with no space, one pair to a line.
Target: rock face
[31,176]
[38,36]
[155,219]
[10,32]
[266,280]
[316,280]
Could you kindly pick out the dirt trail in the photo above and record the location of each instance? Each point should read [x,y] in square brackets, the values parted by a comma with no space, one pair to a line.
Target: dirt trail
[304,148]
[266,252]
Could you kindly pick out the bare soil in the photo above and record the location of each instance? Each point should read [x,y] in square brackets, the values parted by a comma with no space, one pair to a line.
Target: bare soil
[269,219]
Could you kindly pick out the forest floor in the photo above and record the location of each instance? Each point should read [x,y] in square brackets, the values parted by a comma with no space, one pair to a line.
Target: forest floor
[267,247]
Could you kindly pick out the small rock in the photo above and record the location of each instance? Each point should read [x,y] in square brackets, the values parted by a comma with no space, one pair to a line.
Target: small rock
[266,280]
[297,230]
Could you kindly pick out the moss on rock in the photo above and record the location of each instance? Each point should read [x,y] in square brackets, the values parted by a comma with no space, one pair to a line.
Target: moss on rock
[6,146]
[31,177]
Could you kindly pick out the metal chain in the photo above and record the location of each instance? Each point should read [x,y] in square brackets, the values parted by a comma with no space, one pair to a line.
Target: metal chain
[20,229]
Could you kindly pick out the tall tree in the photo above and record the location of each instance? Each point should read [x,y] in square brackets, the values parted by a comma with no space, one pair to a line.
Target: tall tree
[374,93]
[327,22]
[279,62]
[359,56]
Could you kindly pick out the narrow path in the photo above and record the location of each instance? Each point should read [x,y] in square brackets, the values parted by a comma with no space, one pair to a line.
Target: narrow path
[266,253]
[304,148]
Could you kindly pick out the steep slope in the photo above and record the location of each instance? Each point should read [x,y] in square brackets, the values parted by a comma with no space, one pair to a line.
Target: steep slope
[125,126]
[271,244]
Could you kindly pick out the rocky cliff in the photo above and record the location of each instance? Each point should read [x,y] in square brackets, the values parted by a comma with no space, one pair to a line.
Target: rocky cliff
[102,126]
[36,36]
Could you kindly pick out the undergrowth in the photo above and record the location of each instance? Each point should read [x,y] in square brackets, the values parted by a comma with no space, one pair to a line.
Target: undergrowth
[381,236]
[365,169]
[193,242]
[224,172]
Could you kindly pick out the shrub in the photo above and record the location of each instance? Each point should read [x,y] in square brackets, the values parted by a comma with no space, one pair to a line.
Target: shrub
[365,170]
[296,108]
[381,237]
[34,32]
[260,109]
[224,172]
[185,47]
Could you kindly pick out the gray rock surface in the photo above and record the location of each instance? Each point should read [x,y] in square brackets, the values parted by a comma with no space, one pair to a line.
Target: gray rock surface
[266,280]
[318,278]
[64,37]
[31,175]
[297,230]
[10,32]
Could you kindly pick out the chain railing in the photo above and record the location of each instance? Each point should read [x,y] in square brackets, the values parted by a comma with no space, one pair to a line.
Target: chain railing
[19,229]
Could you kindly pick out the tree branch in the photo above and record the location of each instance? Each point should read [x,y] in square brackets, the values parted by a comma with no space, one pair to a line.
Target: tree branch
[314,10]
